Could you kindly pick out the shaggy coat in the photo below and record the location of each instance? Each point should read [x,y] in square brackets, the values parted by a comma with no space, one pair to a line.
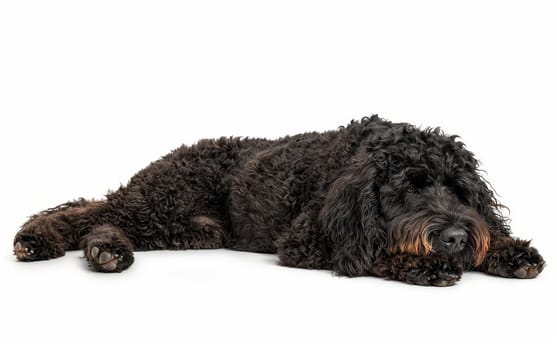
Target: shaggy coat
[372,198]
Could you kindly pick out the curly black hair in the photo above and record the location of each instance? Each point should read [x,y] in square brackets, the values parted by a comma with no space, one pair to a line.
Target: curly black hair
[372,198]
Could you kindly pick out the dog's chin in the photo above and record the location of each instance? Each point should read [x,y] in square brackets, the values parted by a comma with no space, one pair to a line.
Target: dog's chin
[464,258]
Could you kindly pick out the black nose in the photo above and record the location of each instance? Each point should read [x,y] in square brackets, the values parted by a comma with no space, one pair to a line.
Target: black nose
[453,240]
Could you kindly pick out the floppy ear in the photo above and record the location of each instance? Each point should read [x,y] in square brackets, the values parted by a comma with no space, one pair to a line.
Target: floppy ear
[480,196]
[478,193]
[351,220]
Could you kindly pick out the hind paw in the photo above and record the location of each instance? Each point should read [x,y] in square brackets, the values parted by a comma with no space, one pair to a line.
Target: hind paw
[23,251]
[30,246]
[108,258]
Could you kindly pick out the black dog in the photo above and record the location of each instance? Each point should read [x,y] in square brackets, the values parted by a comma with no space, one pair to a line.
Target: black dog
[371,199]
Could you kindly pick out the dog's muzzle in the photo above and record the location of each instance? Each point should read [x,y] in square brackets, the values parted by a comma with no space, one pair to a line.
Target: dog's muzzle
[452,240]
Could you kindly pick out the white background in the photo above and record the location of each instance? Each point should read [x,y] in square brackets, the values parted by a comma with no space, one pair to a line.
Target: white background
[92,91]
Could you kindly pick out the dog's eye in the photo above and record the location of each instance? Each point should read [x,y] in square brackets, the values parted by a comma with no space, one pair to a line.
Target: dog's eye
[411,189]
[417,181]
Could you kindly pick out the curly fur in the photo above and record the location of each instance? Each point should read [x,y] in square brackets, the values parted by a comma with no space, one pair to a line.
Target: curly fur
[366,199]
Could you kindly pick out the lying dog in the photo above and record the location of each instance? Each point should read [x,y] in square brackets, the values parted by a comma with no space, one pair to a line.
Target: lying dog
[374,198]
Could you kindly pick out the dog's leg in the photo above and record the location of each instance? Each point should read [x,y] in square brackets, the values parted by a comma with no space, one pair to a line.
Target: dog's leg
[302,246]
[50,233]
[512,258]
[432,270]
[107,249]
[302,250]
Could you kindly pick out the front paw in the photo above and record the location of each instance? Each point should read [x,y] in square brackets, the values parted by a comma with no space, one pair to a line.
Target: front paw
[438,275]
[517,261]
[432,270]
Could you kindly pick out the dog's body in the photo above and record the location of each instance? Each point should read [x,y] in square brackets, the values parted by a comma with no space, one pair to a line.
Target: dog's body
[374,198]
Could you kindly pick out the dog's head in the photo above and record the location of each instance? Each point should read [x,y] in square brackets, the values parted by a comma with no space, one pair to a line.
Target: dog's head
[425,212]
[409,191]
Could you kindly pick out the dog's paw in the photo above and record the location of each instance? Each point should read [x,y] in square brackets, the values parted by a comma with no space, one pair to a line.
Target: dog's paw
[517,262]
[24,251]
[104,257]
[443,279]
[437,277]
[435,272]
[31,246]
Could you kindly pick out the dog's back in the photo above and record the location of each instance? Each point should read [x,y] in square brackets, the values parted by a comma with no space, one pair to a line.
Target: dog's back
[245,191]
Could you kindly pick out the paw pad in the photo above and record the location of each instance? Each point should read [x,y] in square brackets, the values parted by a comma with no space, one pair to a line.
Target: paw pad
[517,262]
[444,279]
[23,252]
[528,271]
[104,260]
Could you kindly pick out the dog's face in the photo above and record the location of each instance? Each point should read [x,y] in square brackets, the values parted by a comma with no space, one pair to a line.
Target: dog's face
[410,191]
[429,211]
